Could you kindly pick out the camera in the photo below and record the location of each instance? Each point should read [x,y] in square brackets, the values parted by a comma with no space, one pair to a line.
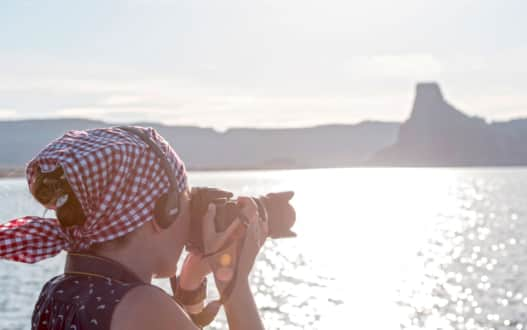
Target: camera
[273,207]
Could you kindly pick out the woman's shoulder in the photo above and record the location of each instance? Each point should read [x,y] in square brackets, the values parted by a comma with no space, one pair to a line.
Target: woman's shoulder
[78,301]
[149,307]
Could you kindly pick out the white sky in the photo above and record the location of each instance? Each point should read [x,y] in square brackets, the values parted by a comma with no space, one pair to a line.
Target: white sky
[258,62]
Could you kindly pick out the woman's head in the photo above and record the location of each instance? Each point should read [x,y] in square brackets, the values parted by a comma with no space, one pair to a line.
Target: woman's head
[103,185]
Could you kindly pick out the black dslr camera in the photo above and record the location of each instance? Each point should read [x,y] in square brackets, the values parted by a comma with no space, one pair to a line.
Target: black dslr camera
[273,207]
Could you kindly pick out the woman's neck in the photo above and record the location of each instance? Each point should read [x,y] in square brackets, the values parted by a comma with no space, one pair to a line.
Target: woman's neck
[136,259]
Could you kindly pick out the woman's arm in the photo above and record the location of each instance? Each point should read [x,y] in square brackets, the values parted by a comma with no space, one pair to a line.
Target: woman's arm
[148,307]
[241,309]
[240,306]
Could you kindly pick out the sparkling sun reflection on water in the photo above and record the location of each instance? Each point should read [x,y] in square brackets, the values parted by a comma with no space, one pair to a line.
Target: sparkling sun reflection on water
[369,224]
[376,249]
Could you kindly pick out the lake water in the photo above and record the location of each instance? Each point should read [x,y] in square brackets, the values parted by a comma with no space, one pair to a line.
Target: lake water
[376,249]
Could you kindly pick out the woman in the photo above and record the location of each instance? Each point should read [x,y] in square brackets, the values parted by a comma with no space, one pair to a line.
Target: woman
[105,186]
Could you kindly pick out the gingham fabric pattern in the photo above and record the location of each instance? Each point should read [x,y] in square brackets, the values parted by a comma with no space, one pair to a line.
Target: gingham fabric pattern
[117,180]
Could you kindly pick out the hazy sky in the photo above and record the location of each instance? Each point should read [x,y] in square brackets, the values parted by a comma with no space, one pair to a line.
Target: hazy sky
[226,63]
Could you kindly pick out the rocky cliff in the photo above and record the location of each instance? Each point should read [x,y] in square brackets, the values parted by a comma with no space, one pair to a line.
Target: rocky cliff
[437,134]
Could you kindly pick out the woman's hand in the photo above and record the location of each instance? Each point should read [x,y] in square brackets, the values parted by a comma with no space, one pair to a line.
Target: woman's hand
[195,269]
[248,238]
[252,235]
[255,235]
[243,240]
[196,266]
[240,307]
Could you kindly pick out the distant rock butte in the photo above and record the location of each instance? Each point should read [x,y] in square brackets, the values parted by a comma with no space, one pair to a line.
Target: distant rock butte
[437,134]
[427,97]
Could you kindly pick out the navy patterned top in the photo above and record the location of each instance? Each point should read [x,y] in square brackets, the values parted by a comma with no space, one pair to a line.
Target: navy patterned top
[82,300]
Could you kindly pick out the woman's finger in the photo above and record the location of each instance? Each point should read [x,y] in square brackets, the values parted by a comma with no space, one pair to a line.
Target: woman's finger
[249,207]
[250,248]
[221,239]
[231,230]
[208,225]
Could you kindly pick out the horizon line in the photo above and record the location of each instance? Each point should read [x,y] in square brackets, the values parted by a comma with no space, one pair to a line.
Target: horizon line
[366,121]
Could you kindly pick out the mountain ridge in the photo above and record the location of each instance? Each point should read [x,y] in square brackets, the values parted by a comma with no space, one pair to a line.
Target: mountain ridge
[204,148]
[435,134]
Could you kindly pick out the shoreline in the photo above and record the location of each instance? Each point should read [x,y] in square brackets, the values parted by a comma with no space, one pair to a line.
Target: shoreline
[6,173]
[12,173]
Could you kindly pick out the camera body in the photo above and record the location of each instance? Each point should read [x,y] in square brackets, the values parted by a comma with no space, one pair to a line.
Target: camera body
[273,207]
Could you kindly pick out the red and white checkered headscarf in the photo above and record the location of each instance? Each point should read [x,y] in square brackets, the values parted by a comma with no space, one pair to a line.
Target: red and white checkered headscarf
[117,180]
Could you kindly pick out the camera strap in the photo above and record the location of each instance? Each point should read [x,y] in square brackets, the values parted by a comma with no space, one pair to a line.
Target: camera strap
[208,314]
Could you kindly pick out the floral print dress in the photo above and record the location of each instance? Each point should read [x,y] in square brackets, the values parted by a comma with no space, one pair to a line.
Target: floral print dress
[79,301]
